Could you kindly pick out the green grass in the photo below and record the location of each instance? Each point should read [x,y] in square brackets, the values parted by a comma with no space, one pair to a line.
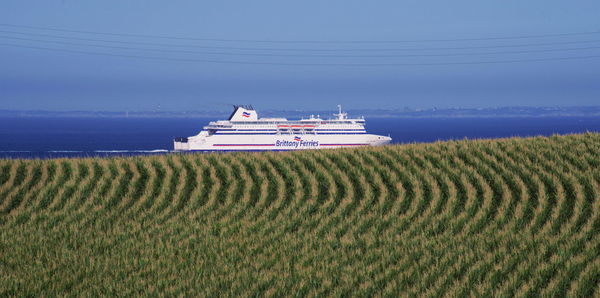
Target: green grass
[482,218]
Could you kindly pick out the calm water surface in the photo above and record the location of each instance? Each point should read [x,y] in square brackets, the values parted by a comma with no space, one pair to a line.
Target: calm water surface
[75,137]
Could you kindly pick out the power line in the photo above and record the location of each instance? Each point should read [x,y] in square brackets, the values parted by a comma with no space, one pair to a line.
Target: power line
[304,41]
[299,49]
[305,64]
[302,55]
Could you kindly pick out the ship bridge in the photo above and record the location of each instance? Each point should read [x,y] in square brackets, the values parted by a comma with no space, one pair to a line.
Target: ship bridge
[244,120]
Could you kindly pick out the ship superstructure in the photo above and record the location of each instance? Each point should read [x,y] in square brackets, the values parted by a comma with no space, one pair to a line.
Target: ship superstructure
[244,131]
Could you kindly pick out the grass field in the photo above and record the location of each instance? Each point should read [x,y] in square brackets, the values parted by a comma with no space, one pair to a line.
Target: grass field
[491,217]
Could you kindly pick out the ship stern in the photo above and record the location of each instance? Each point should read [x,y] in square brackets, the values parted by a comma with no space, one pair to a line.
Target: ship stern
[181,144]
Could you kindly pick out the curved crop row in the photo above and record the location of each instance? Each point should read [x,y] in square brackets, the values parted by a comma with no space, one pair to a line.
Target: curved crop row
[482,218]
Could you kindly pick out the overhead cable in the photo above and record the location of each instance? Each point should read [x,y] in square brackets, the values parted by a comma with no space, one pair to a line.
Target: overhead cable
[300,55]
[303,41]
[301,49]
[303,64]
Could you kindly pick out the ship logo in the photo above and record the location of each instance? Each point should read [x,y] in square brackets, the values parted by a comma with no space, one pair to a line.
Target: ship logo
[297,139]
[245,114]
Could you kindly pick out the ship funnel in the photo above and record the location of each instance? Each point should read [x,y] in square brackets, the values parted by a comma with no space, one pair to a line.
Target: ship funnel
[243,113]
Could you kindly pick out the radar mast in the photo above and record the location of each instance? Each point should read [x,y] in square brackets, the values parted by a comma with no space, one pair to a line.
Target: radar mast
[340,115]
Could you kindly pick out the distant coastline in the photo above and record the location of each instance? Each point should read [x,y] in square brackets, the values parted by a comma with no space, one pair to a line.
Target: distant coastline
[494,112]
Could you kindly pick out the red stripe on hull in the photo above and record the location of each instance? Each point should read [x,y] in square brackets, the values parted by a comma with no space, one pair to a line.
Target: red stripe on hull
[243,145]
[344,144]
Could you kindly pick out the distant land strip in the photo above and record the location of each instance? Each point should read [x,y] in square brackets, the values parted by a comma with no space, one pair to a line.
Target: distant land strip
[406,112]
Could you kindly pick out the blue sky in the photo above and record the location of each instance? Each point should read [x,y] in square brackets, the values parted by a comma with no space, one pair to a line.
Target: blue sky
[419,54]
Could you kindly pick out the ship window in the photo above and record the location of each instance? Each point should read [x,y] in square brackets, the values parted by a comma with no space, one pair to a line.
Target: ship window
[211,132]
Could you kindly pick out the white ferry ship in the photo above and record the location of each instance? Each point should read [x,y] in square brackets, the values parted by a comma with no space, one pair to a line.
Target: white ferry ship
[244,131]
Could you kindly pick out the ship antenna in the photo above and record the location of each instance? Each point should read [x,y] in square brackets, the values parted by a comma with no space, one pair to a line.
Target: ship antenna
[340,115]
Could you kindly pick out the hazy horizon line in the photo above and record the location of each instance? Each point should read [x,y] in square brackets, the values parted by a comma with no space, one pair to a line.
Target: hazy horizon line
[406,108]
[407,112]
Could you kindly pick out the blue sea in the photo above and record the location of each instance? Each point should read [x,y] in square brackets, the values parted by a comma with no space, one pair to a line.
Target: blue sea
[54,137]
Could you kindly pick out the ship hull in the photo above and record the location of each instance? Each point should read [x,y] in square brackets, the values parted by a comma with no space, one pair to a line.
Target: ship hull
[279,142]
